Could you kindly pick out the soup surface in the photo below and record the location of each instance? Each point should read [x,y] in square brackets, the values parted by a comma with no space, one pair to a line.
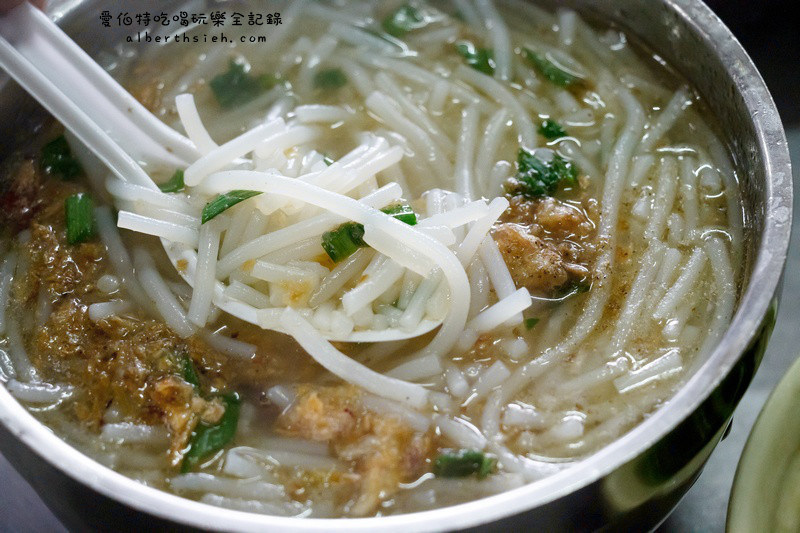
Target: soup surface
[541,206]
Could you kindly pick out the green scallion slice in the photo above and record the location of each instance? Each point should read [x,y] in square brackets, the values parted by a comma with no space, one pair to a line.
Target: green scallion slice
[57,159]
[207,439]
[225,201]
[80,218]
[463,463]
[175,183]
[332,78]
[550,70]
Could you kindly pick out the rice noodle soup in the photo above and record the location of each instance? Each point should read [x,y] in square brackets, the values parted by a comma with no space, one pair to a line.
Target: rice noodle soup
[427,252]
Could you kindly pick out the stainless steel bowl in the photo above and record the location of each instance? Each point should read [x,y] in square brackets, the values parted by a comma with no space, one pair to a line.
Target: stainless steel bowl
[635,481]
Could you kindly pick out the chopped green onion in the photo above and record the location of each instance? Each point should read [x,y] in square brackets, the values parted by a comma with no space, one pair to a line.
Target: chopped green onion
[536,178]
[327,159]
[189,373]
[550,129]
[57,159]
[207,439]
[404,19]
[402,212]
[572,288]
[175,183]
[343,241]
[463,463]
[332,78]
[225,201]
[530,323]
[481,59]
[236,86]
[550,70]
[80,218]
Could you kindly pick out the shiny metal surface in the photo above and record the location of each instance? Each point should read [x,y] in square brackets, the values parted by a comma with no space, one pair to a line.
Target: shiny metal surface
[633,482]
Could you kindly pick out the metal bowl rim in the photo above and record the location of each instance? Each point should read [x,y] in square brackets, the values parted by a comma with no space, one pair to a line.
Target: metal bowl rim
[753,306]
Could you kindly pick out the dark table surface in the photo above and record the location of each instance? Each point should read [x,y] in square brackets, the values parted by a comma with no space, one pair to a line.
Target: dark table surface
[764,28]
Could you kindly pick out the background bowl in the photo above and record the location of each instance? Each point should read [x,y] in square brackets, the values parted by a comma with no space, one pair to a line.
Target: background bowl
[773,443]
[635,481]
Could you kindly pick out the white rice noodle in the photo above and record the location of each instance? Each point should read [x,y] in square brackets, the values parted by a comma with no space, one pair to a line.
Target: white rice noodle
[339,277]
[641,167]
[457,383]
[345,368]
[665,198]
[438,97]
[522,120]
[487,151]
[669,264]
[414,311]
[235,148]
[193,125]
[160,294]
[417,368]
[725,289]
[489,379]
[567,23]
[389,85]
[7,268]
[480,230]
[479,287]
[281,395]
[21,367]
[373,286]
[283,508]
[673,110]
[107,283]
[470,14]
[663,367]
[384,407]
[360,38]
[501,279]
[598,376]
[637,296]
[523,416]
[321,113]
[689,196]
[500,39]
[459,216]
[461,433]
[102,310]
[682,286]
[38,393]
[204,274]
[228,345]
[118,255]
[131,192]
[130,433]
[490,418]
[500,313]
[199,482]
[158,228]
[464,169]
[390,113]
[237,290]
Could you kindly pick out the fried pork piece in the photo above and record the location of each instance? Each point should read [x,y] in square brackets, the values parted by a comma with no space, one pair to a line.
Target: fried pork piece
[546,243]
[384,451]
[19,195]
